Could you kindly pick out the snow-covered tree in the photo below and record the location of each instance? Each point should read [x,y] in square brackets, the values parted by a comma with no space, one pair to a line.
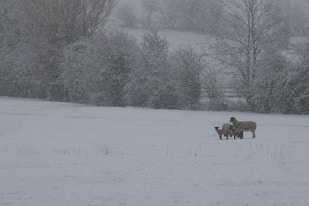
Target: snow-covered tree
[255,26]
[152,82]
[97,70]
[67,20]
[80,65]
[300,83]
[120,55]
[282,85]
[19,73]
[214,90]
[273,93]
[33,38]
[187,67]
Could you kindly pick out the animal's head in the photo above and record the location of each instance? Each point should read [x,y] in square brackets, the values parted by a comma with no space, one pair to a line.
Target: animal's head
[232,119]
[219,132]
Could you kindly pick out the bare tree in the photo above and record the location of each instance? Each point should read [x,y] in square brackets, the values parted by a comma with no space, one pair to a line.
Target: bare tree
[64,19]
[38,32]
[253,27]
[94,14]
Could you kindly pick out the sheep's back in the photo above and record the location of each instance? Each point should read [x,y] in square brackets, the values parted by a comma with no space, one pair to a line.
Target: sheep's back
[227,126]
[246,125]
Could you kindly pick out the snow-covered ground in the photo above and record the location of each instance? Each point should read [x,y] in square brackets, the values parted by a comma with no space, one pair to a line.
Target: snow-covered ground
[178,39]
[67,154]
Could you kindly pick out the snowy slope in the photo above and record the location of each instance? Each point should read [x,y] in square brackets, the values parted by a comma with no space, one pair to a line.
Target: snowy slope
[68,154]
[178,39]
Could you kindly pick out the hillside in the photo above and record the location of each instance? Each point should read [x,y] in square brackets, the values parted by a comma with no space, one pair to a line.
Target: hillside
[70,154]
[177,39]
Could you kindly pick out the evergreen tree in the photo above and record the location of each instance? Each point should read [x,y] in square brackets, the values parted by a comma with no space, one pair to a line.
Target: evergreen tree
[187,68]
[152,83]
[120,56]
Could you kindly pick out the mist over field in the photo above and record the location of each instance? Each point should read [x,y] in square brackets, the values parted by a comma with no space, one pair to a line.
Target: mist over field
[115,103]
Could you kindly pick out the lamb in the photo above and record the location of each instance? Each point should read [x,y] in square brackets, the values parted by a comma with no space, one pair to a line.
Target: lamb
[244,125]
[220,132]
[228,130]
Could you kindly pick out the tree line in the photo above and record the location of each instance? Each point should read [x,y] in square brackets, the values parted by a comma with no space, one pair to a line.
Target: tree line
[58,50]
[205,16]
[114,70]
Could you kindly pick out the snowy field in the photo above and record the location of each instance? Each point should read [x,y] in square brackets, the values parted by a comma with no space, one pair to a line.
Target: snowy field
[59,154]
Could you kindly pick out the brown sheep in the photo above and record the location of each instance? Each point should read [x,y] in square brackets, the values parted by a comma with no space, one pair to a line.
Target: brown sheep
[242,126]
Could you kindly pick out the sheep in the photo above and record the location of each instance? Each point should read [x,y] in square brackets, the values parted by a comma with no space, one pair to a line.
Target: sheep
[220,132]
[228,130]
[238,132]
[244,126]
